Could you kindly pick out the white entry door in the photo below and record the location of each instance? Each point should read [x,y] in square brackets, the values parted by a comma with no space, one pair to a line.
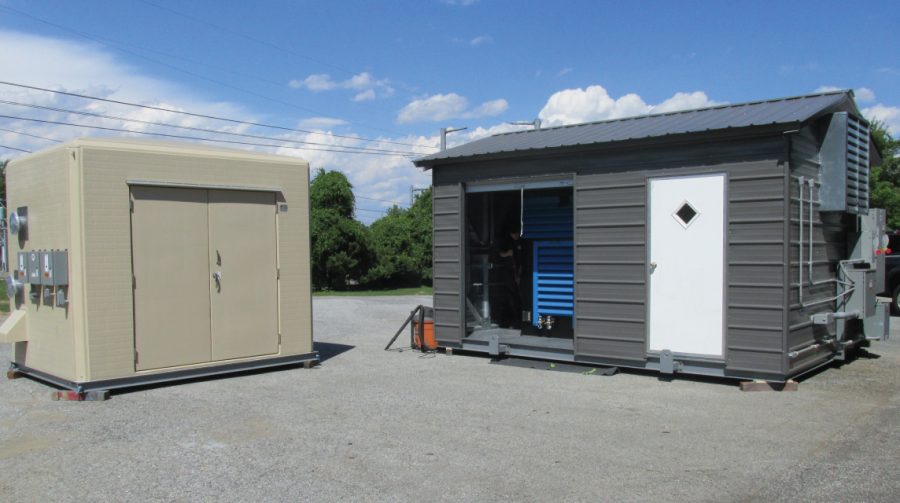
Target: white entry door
[687,216]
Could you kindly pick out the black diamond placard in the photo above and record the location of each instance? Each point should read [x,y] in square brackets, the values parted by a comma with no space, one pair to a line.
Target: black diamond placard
[686,213]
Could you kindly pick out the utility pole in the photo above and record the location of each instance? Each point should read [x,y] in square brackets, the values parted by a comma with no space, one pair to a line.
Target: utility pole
[444,132]
[412,194]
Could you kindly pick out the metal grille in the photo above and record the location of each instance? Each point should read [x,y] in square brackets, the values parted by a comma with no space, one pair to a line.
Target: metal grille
[554,279]
[857,166]
[546,217]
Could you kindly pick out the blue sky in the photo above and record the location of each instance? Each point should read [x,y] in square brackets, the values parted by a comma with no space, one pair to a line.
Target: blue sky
[398,71]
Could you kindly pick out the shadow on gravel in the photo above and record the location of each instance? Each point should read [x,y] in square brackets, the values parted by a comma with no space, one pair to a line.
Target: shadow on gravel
[328,350]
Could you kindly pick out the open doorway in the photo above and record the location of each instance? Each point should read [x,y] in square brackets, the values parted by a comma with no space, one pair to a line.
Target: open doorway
[520,267]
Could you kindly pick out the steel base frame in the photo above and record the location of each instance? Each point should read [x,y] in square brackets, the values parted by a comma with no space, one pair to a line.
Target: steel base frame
[307,359]
[685,365]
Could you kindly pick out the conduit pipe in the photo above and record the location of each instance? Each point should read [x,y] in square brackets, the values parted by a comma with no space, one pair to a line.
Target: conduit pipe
[811,183]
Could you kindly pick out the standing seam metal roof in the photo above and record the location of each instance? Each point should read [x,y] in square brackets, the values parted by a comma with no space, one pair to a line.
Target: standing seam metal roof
[792,110]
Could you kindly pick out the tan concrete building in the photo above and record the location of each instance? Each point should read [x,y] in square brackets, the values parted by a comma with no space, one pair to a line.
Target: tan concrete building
[135,262]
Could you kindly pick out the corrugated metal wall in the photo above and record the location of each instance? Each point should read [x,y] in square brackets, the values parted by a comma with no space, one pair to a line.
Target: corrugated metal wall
[829,247]
[611,268]
[449,261]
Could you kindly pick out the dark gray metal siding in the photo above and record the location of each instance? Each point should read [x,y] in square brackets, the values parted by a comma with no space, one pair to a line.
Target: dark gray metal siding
[610,218]
[611,255]
[610,265]
[829,247]
[449,260]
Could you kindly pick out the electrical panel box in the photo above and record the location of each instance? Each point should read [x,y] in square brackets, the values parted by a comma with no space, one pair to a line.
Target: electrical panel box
[870,242]
[34,267]
[22,267]
[54,267]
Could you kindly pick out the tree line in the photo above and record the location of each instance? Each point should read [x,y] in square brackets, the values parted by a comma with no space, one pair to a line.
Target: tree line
[394,251]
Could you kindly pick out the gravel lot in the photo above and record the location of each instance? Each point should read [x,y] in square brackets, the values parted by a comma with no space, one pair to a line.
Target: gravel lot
[374,425]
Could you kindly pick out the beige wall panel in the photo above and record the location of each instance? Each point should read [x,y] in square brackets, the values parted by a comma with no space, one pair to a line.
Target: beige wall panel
[171,263]
[41,183]
[108,166]
[242,251]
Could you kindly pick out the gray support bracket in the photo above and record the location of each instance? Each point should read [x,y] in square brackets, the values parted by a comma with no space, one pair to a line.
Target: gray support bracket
[667,363]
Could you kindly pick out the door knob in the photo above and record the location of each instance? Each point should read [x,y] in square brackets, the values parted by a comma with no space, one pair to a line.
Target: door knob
[652,267]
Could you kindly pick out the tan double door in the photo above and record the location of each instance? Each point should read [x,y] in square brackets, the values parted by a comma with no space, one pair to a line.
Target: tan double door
[205,275]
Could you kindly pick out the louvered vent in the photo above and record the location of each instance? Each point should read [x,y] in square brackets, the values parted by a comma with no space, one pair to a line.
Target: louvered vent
[857,166]
[844,158]
[554,279]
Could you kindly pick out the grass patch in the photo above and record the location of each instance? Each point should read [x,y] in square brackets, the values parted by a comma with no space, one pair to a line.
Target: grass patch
[419,290]
[4,299]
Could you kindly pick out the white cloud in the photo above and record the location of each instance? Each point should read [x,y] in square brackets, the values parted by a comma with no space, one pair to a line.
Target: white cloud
[864,95]
[315,82]
[488,109]
[368,94]
[367,87]
[473,42]
[87,69]
[321,123]
[890,116]
[683,101]
[441,107]
[573,106]
[64,65]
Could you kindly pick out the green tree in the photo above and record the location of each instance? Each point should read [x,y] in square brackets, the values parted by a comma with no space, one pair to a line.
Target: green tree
[332,190]
[884,181]
[3,182]
[401,241]
[340,251]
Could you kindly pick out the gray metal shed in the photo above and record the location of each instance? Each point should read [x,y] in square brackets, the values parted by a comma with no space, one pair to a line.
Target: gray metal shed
[732,241]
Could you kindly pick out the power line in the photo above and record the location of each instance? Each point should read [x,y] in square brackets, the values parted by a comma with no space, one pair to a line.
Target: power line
[204,116]
[381,200]
[31,135]
[14,148]
[245,36]
[197,138]
[205,130]
[100,40]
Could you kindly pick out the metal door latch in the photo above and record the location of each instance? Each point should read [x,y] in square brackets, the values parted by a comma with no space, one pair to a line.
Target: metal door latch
[218,277]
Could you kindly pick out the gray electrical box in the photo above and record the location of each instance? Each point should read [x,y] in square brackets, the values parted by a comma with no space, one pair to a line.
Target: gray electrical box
[870,243]
[34,267]
[54,267]
[22,267]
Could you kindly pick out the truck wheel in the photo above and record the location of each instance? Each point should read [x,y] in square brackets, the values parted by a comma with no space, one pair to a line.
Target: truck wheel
[895,301]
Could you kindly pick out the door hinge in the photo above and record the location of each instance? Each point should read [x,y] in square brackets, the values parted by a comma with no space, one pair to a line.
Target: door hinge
[136,358]
[133,282]
[131,205]
[279,338]
[278,273]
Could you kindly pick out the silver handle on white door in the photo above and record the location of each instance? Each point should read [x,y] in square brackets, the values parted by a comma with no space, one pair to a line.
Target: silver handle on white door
[652,267]
[218,277]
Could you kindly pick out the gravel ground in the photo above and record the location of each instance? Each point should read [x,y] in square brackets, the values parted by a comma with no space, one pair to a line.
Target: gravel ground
[400,426]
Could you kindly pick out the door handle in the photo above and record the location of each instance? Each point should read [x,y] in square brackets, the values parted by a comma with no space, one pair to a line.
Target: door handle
[652,267]
[218,277]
